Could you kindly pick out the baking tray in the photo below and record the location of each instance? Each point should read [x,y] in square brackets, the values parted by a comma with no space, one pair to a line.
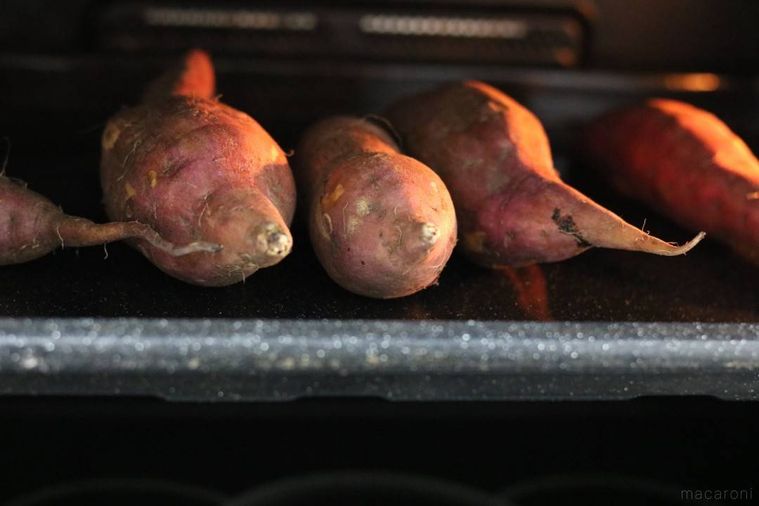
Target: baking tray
[276,360]
[604,325]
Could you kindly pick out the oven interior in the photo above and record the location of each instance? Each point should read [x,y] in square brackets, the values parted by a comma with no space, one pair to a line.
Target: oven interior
[68,67]
[65,67]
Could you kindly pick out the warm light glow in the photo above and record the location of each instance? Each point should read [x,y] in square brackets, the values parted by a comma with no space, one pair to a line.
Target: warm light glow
[478,28]
[692,82]
[565,56]
[531,290]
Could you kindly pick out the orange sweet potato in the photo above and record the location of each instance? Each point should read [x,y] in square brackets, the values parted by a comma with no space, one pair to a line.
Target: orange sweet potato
[381,223]
[512,207]
[195,169]
[684,162]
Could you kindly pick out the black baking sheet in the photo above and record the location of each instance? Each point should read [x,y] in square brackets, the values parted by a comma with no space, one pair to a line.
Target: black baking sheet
[709,284]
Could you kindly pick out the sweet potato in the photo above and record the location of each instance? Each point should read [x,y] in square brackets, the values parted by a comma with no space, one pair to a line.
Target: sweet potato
[512,207]
[197,170]
[31,226]
[381,223]
[684,162]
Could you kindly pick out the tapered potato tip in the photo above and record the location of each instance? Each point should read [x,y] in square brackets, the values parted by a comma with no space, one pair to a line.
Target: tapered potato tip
[32,226]
[75,232]
[193,76]
[593,225]
[659,247]
[624,236]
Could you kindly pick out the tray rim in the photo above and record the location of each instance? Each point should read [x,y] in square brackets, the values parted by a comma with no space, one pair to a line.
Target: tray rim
[425,360]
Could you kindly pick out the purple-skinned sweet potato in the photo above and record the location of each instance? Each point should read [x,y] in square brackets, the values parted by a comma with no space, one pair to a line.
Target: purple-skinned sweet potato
[511,205]
[195,169]
[686,163]
[381,223]
[31,226]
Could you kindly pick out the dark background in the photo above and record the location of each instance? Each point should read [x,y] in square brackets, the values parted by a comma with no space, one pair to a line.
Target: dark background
[65,66]
[668,443]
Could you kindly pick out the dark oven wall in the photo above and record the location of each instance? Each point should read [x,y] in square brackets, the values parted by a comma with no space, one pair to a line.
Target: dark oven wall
[66,66]
[684,35]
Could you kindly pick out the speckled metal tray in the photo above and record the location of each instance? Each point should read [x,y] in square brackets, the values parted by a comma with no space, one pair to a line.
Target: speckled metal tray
[222,360]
